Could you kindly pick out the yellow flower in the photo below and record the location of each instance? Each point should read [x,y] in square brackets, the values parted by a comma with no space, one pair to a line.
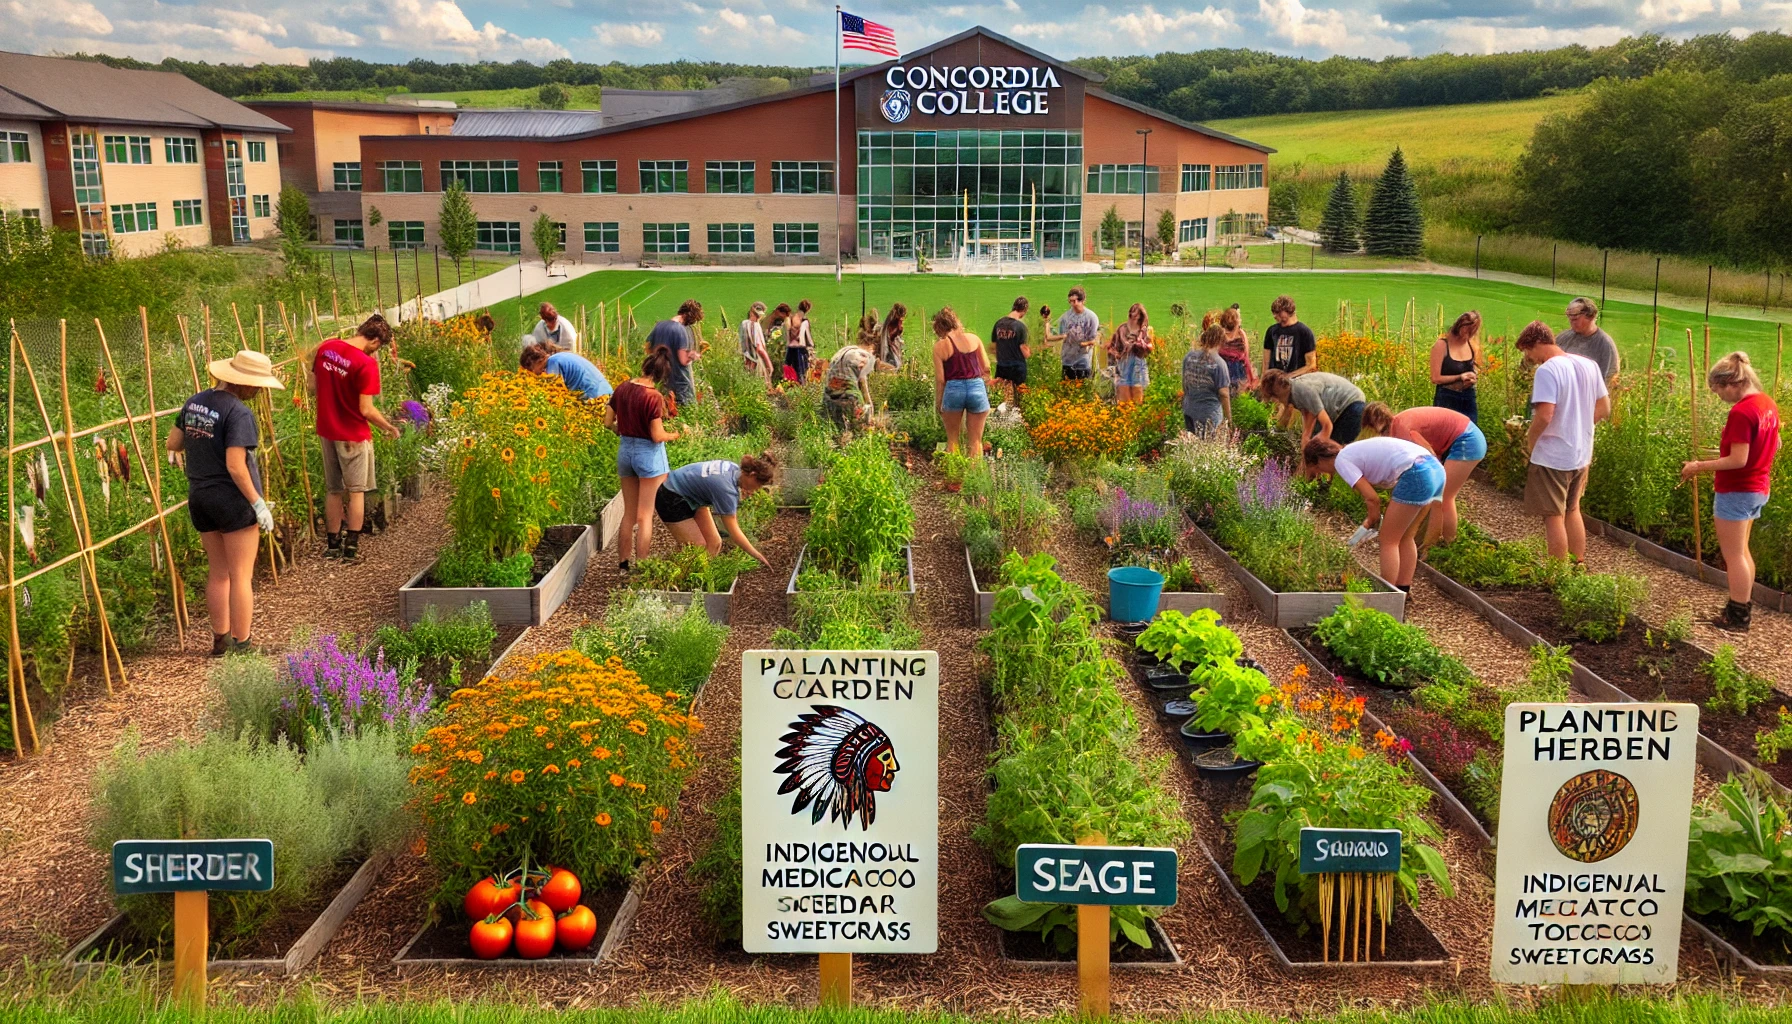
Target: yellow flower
[468,797]
[638,727]
[507,455]
[496,493]
[541,451]
[541,423]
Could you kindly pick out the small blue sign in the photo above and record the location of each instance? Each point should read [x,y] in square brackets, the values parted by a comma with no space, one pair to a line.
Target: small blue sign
[1349,850]
[896,105]
[1115,876]
[192,865]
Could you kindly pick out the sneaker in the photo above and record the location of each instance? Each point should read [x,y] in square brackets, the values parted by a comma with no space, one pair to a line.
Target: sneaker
[351,546]
[332,545]
[220,644]
[244,647]
[1735,617]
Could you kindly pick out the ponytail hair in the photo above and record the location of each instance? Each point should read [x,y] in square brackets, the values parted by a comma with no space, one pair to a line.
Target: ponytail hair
[945,321]
[1732,370]
[1466,326]
[1378,417]
[658,364]
[1319,449]
[763,468]
[893,322]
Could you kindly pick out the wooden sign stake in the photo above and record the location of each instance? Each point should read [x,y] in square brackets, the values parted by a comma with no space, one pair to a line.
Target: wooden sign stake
[836,980]
[191,925]
[1692,380]
[1092,950]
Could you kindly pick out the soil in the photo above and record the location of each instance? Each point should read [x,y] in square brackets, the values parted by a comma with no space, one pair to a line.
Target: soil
[447,939]
[1622,662]
[1028,946]
[1764,949]
[123,943]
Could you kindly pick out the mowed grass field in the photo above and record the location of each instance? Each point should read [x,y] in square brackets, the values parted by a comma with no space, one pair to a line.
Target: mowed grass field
[1505,308]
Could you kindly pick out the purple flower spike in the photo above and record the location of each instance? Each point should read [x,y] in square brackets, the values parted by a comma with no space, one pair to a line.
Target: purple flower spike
[332,688]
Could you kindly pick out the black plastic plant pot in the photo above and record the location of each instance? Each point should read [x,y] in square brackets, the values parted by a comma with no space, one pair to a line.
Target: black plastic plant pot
[1196,738]
[1177,711]
[1158,677]
[1221,764]
[1248,662]
[1145,659]
[1161,695]
[1129,631]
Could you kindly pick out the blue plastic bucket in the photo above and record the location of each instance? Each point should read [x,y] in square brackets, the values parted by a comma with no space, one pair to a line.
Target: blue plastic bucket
[1133,592]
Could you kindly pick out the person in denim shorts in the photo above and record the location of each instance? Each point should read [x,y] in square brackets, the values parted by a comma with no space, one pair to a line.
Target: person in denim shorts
[1744,469]
[959,369]
[636,413]
[1127,349]
[1415,477]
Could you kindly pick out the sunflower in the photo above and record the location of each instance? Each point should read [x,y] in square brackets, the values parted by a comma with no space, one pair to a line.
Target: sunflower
[517,775]
[507,455]
[541,423]
[541,451]
[520,430]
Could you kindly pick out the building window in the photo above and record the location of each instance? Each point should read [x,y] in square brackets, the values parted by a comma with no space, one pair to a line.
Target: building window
[499,235]
[189,212]
[346,176]
[258,152]
[603,236]
[402,175]
[1192,230]
[404,234]
[84,162]
[181,149]
[728,176]
[1254,176]
[231,149]
[130,218]
[547,176]
[1229,176]
[32,214]
[731,238]
[1197,177]
[1122,179]
[349,232]
[599,175]
[803,176]
[664,176]
[481,175]
[796,239]
[665,238]
[15,148]
[127,149]
[1240,224]
[263,206]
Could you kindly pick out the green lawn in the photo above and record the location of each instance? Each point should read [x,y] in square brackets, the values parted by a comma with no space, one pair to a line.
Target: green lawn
[1505,308]
[584,97]
[352,273]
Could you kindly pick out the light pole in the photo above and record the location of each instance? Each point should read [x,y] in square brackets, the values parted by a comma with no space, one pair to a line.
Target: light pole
[1144,191]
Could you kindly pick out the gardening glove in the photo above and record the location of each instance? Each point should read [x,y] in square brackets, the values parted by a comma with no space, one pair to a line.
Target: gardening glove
[1362,533]
[264,516]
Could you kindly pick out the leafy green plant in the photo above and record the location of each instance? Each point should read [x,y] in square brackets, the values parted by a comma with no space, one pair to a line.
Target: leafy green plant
[1086,506]
[1188,640]
[431,647]
[859,515]
[1739,858]
[1548,674]
[672,649]
[717,866]
[1597,605]
[692,569]
[1734,688]
[1476,559]
[1770,743]
[1386,650]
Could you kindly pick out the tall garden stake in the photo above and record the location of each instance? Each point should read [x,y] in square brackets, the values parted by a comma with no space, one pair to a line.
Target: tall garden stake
[155,465]
[16,693]
[1692,387]
[304,423]
[150,481]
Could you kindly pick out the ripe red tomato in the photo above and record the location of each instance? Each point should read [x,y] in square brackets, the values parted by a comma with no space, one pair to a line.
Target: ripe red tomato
[561,890]
[576,928]
[490,937]
[489,896]
[535,935]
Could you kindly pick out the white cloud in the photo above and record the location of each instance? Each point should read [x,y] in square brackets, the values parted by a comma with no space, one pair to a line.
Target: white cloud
[331,35]
[1481,38]
[1329,29]
[442,25]
[1147,28]
[43,16]
[640,34]
[1097,29]
[736,28]
[1673,12]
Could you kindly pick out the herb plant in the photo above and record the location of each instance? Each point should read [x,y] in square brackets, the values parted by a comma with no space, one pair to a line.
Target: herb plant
[1476,559]
[670,648]
[1739,859]
[860,518]
[1386,650]
[1597,605]
[1734,688]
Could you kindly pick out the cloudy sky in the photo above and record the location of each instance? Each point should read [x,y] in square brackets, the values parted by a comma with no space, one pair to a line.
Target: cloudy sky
[797,31]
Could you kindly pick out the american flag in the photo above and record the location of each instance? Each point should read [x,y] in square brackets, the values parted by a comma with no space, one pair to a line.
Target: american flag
[858,34]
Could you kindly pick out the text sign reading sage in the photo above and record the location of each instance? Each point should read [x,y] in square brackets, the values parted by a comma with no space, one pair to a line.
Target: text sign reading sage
[192,865]
[1115,876]
[1349,851]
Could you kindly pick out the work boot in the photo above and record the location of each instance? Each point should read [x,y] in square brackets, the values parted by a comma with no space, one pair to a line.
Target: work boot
[1735,616]
[243,646]
[351,545]
[220,644]
[333,545]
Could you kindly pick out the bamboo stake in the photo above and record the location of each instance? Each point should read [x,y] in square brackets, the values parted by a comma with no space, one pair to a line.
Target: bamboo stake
[304,469]
[16,693]
[150,480]
[1325,917]
[155,469]
[186,345]
[335,310]
[1649,374]
[1698,529]
[261,328]
[1779,354]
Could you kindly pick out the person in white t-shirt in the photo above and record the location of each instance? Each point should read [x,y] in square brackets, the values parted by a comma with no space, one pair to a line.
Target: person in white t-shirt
[1568,396]
[1412,474]
[554,329]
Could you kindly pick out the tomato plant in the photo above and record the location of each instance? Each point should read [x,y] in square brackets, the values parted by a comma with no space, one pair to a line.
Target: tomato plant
[576,928]
[489,896]
[490,937]
[535,932]
[561,890]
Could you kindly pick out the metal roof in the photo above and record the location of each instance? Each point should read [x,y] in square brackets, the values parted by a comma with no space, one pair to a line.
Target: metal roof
[525,124]
[1177,121]
[80,90]
[349,106]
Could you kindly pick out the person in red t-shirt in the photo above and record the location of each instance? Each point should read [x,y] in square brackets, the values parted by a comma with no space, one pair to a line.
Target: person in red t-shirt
[345,375]
[1744,470]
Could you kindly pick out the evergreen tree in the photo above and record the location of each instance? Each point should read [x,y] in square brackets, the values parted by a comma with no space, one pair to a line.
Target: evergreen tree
[1338,228]
[1166,230]
[1113,229]
[1395,227]
[457,224]
[292,215]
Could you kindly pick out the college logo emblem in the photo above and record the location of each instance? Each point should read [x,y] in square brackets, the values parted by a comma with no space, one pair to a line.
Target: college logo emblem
[896,105]
[1593,816]
[837,763]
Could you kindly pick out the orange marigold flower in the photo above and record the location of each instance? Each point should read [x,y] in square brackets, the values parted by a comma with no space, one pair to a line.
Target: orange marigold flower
[517,775]
[655,826]
[638,727]
[616,780]
[603,753]
[603,819]
[573,762]
[469,797]
[550,769]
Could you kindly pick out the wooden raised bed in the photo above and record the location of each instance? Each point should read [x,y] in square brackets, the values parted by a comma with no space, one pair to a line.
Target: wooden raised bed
[716,606]
[1764,595]
[1736,959]
[1301,608]
[908,558]
[615,909]
[510,606]
[298,956]
[986,604]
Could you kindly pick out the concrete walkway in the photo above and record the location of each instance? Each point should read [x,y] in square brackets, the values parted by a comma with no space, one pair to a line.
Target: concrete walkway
[506,285]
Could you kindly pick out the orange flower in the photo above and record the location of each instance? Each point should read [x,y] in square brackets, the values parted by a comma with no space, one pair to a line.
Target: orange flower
[616,780]
[550,770]
[656,827]
[517,775]
[468,798]
[638,727]
[603,819]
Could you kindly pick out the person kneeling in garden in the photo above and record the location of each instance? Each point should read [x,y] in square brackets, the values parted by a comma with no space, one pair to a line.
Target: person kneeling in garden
[1414,475]
[1744,469]
[217,432]
[686,500]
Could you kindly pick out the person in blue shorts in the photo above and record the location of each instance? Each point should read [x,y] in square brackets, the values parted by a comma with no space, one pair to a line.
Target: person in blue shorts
[636,413]
[1415,477]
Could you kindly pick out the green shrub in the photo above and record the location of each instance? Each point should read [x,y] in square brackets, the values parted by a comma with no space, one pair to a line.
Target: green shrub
[458,566]
[250,691]
[1734,688]
[1597,605]
[1386,650]
[431,647]
[924,429]
[1476,559]
[671,649]
[1739,859]
[691,569]
[908,393]
[859,515]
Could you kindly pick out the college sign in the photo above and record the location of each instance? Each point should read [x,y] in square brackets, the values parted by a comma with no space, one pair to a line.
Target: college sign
[974,89]
[840,801]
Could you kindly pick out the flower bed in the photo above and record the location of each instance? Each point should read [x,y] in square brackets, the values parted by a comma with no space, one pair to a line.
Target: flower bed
[1135,517]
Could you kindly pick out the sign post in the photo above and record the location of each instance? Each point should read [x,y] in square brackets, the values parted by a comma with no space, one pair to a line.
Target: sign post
[1591,871]
[190,868]
[840,806]
[1094,877]
[1356,869]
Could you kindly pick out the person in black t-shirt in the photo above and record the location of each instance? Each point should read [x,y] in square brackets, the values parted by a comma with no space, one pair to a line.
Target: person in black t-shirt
[217,432]
[1012,350]
[1289,345]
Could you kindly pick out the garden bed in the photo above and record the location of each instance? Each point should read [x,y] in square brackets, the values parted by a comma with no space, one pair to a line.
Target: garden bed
[717,606]
[443,944]
[286,945]
[1680,562]
[1741,948]
[908,561]
[560,562]
[1288,610]
[1027,949]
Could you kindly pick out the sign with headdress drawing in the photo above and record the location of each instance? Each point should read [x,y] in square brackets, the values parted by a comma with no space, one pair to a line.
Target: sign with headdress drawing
[840,801]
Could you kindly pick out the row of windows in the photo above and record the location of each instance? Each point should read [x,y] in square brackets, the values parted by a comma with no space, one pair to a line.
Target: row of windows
[799,177]
[136,149]
[1127,179]
[658,238]
[132,218]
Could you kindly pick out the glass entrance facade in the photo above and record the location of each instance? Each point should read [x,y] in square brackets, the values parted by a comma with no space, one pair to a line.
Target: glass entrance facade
[1024,191]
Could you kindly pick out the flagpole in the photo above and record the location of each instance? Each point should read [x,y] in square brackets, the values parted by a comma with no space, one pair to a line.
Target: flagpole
[838,249]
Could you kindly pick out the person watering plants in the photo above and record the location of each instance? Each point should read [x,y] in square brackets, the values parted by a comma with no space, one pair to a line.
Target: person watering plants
[694,495]
[636,413]
[217,432]
[1743,469]
[1445,433]
[846,391]
[1415,477]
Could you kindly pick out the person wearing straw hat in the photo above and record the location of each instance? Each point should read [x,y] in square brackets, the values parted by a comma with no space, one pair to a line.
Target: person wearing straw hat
[217,432]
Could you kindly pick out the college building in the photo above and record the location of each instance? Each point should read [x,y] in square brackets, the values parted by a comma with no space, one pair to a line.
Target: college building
[976,144]
[133,159]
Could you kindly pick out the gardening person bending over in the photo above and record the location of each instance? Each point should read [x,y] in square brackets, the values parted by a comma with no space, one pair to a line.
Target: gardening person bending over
[1744,468]
[1445,433]
[694,495]
[1568,396]
[637,413]
[1331,408]
[846,390]
[345,375]
[580,374]
[217,431]
[1415,477]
